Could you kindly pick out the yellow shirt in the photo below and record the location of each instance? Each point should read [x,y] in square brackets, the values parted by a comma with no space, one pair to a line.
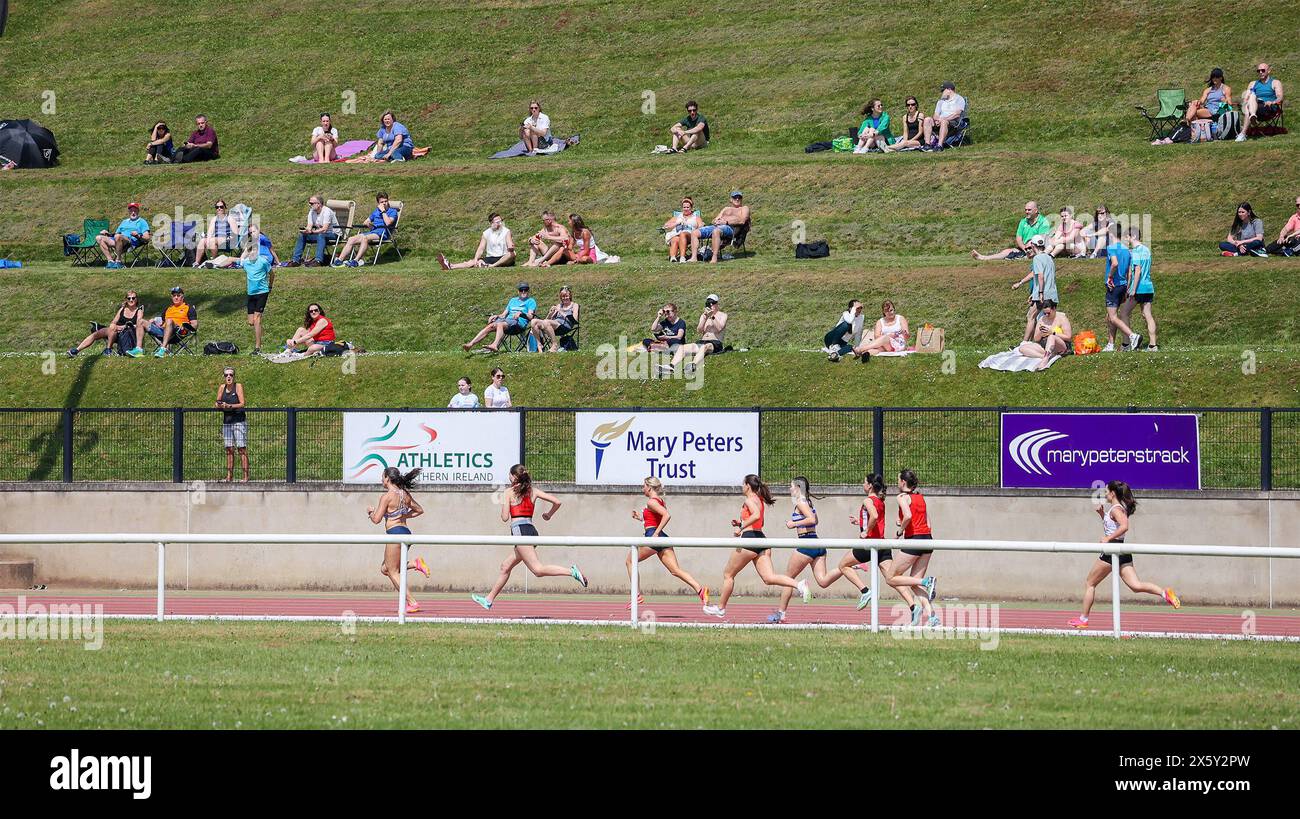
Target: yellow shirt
[178,313]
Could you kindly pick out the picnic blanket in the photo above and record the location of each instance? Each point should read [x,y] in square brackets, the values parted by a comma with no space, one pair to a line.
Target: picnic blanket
[557,144]
[1012,361]
[285,357]
[348,149]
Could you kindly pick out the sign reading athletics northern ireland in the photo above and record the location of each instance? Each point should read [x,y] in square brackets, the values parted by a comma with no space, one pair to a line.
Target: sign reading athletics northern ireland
[1076,450]
[681,448]
[447,447]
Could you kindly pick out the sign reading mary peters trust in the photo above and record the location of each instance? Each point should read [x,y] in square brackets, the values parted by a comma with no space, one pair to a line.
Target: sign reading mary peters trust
[447,447]
[681,448]
[1074,450]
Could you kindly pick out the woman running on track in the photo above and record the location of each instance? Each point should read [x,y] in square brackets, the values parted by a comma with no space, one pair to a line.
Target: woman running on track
[655,517]
[395,508]
[517,510]
[914,524]
[1115,513]
[750,525]
[804,521]
[871,521]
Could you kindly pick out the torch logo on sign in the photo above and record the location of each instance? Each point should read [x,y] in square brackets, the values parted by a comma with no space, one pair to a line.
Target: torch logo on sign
[604,435]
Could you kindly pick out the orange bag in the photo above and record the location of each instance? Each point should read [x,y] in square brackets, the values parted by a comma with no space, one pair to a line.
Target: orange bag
[1085,343]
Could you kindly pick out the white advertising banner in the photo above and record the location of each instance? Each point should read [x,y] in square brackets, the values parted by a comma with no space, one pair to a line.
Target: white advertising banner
[448,447]
[681,448]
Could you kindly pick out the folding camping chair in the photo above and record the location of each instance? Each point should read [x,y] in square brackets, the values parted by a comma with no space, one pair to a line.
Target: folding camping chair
[345,211]
[181,342]
[242,216]
[175,246]
[1269,124]
[139,254]
[1173,107]
[391,239]
[86,250]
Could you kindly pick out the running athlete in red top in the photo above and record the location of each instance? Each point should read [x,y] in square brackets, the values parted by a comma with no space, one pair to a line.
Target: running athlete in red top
[655,517]
[750,525]
[517,510]
[914,524]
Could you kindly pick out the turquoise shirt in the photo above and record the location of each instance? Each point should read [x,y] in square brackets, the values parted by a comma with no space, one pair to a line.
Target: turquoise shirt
[1142,261]
[522,307]
[139,224]
[258,273]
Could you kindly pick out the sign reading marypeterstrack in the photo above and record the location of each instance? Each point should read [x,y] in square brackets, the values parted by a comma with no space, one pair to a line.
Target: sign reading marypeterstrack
[1077,450]
[447,447]
[681,448]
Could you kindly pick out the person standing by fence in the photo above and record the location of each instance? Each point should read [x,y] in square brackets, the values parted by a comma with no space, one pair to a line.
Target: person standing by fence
[234,422]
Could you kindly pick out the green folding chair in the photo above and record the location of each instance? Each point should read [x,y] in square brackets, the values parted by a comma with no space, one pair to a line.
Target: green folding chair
[1172,109]
[86,250]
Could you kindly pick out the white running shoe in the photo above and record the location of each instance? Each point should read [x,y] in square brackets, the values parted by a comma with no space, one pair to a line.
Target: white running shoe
[1109,348]
[1241,137]
[1133,340]
[802,586]
[714,611]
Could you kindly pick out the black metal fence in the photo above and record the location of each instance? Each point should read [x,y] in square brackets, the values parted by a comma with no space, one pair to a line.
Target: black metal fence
[950,446]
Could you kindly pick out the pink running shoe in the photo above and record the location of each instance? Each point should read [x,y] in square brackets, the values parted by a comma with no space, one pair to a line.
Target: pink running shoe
[1079,622]
[412,608]
[421,566]
[1172,599]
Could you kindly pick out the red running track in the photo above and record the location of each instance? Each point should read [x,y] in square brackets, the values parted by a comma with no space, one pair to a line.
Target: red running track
[1137,619]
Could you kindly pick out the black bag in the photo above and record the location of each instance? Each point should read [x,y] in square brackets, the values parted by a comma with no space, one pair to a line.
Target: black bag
[220,348]
[812,250]
[336,347]
[1183,133]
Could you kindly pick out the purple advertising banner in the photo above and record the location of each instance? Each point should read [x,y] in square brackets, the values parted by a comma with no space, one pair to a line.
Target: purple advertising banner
[1044,450]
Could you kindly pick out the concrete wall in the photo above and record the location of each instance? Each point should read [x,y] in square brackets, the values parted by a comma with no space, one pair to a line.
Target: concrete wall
[1229,519]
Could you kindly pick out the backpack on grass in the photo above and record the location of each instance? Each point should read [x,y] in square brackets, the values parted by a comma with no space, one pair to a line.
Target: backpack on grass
[220,348]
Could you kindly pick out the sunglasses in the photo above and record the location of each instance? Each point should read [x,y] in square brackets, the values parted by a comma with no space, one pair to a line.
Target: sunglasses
[499,375]
[313,310]
[133,298]
[911,105]
[221,207]
[230,375]
[1262,70]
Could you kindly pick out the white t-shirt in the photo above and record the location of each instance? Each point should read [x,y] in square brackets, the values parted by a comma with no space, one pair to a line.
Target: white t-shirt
[495,241]
[495,396]
[540,121]
[855,322]
[334,132]
[459,401]
[947,107]
[326,217]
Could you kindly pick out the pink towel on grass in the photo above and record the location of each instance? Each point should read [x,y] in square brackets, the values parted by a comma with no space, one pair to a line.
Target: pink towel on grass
[348,149]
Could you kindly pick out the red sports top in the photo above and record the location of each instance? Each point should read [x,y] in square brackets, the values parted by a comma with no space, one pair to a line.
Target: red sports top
[523,508]
[878,531]
[326,333]
[757,526]
[920,523]
[650,517]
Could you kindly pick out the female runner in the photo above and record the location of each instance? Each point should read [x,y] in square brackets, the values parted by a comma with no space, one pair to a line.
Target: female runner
[914,524]
[1119,505]
[517,510]
[750,526]
[654,518]
[804,521]
[396,506]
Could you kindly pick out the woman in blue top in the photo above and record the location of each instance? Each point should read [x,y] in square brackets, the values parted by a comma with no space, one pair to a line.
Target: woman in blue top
[874,131]
[392,141]
[1216,94]
[804,521]
[396,506]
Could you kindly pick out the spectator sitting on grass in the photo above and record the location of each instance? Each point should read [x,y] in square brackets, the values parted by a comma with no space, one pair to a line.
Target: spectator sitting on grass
[1067,237]
[496,248]
[392,141]
[1246,236]
[179,319]
[1215,95]
[889,335]
[1097,236]
[843,336]
[913,128]
[536,129]
[874,131]
[1288,241]
[512,321]
[133,231]
[321,228]
[128,323]
[949,111]
[547,242]
[730,219]
[202,144]
[317,332]
[325,140]
[1034,224]
[561,320]
[380,221]
[1051,336]
[691,132]
[1042,272]
[159,150]
[681,232]
[667,331]
[580,249]
[711,328]
[1262,96]
[464,397]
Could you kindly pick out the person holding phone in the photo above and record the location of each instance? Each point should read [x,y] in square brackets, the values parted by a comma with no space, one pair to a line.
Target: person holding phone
[712,326]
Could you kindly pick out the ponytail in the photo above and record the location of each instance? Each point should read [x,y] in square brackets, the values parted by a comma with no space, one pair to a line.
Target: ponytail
[759,488]
[655,484]
[397,479]
[523,481]
[1124,494]
[908,477]
[877,484]
[805,488]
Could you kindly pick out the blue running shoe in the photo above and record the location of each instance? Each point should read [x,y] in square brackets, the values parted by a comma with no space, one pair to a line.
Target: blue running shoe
[578,576]
[864,599]
[928,584]
[482,601]
[916,614]
[776,617]
[933,622]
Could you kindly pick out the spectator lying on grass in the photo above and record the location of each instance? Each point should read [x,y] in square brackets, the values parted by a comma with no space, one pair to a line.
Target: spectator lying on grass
[1034,224]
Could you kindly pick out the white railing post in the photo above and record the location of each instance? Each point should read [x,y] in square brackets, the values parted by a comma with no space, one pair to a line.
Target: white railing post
[875,591]
[1114,590]
[401,592]
[162,577]
[636,585]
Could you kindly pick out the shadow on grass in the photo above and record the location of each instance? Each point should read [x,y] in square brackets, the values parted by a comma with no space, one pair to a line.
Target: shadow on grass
[50,443]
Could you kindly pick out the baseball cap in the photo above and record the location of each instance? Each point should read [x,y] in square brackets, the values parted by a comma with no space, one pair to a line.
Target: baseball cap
[177,289]
[948,86]
[1038,241]
[737,195]
[523,286]
[135,205]
[712,299]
